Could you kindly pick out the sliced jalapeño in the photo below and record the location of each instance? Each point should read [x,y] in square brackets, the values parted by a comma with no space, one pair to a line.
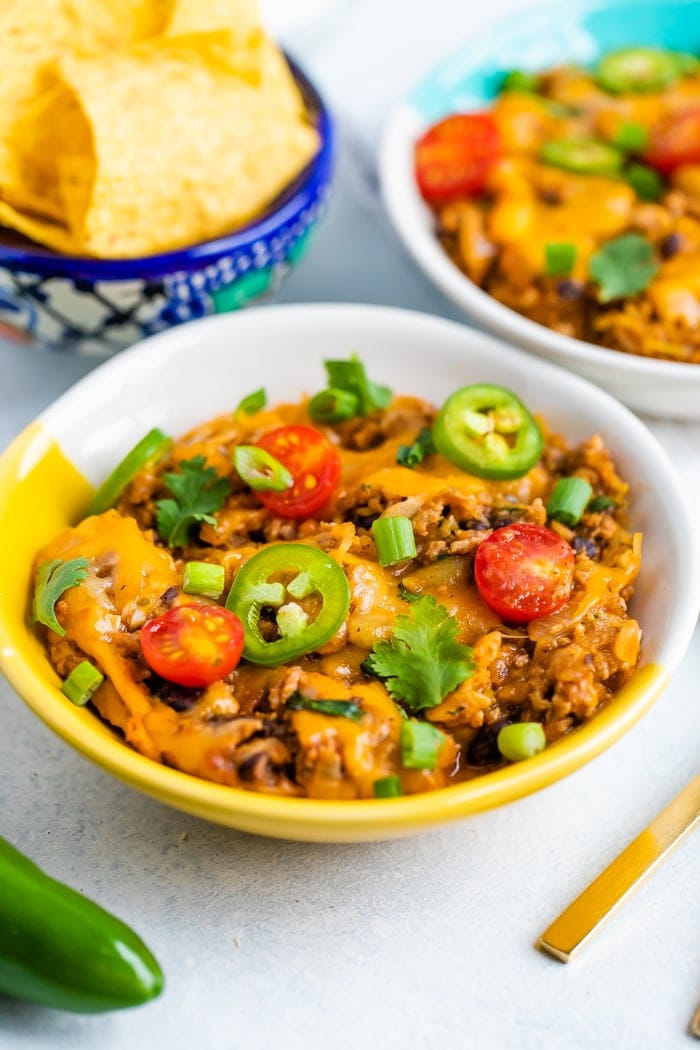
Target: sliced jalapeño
[635,70]
[291,599]
[583,156]
[487,431]
[152,447]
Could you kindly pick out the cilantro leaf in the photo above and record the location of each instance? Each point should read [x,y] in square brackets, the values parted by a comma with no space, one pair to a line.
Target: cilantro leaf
[412,455]
[342,708]
[253,402]
[351,376]
[623,267]
[52,579]
[423,661]
[199,491]
[409,596]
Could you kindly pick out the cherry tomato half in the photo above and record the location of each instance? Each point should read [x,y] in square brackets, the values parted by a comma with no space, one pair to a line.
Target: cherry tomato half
[193,645]
[454,156]
[675,141]
[524,571]
[313,463]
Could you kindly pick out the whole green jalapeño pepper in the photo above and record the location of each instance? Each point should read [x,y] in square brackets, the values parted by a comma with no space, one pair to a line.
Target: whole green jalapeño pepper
[291,598]
[486,430]
[59,949]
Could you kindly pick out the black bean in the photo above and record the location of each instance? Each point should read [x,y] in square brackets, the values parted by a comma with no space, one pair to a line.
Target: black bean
[483,750]
[170,594]
[582,544]
[253,767]
[671,245]
[570,290]
[179,697]
[365,521]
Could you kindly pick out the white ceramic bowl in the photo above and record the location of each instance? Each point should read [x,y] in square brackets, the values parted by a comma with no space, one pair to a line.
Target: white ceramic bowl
[466,81]
[191,373]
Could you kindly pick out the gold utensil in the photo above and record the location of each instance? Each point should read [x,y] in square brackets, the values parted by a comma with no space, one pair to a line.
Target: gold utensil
[610,890]
[695,1024]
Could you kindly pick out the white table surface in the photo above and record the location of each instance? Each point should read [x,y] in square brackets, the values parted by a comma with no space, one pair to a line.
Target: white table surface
[417,943]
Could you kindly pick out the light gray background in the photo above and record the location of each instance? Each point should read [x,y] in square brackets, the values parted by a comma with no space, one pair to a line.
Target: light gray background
[418,943]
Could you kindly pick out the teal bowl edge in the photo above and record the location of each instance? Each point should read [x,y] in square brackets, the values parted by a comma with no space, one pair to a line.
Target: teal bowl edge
[535,39]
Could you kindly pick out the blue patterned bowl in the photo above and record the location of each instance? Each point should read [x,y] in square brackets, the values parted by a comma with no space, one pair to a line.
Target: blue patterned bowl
[99,306]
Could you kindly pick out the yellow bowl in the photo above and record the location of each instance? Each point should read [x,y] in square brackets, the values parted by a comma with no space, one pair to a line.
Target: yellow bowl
[189,374]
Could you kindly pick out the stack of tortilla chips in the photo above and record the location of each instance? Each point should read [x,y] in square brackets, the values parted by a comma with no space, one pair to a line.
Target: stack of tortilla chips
[130,127]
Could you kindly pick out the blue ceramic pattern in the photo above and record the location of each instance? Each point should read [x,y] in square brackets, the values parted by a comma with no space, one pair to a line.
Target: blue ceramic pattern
[534,39]
[98,306]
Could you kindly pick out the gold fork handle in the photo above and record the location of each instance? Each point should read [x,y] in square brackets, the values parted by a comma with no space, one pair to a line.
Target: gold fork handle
[695,1024]
[611,889]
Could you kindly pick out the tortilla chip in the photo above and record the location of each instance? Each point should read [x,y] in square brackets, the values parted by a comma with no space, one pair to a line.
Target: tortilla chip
[138,126]
[52,234]
[164,179]
[193,16]
[53,121]
[34,35]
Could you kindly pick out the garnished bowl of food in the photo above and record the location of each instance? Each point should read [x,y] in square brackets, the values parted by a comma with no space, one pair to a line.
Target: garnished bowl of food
[153,169]
[546,177]
[381,573]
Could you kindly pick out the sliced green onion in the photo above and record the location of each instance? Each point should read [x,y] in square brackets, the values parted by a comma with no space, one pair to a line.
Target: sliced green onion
[559,259]
[260,470]
[388,787]
[411,455]
[631,137]
[339,708]
[334,405]
[420,744]
[646,183]
[150,448]
[568,501]
[394,539]
[351,376]
[521,740]
[521,80]
[253,402]
[584,156]
[201,577]
[82,682]
[599,503]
